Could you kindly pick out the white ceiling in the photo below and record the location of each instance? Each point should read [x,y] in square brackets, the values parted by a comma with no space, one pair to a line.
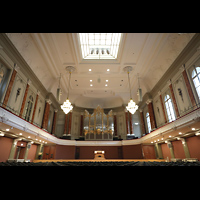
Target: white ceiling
[150,55]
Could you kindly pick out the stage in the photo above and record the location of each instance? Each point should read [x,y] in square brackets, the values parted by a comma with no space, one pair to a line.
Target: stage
[100,160]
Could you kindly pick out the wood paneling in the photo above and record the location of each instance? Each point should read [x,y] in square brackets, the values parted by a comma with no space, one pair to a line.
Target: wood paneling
[165,151]
[132,151]
[5,147]
[193,144]
[149,152]
[178,149]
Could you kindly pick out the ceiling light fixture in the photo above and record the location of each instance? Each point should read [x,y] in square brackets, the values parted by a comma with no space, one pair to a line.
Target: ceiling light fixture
[132,107]
[67,107]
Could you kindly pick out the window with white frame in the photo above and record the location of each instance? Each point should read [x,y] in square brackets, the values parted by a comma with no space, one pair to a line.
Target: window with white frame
[148,122]
[196,79]
[169,108]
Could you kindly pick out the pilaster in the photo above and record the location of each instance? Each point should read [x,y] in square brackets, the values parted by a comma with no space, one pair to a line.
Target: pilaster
[46,114]
[188,86]
[162,105]
[173,98]
[35,106]
[8,91]
[142,122]
[24,99]
[151,113]
[54,121]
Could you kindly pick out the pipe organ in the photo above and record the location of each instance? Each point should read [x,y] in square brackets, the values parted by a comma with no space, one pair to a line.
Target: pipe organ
[98,125]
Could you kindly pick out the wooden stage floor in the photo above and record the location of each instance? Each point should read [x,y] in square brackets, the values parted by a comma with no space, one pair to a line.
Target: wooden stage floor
[100,160]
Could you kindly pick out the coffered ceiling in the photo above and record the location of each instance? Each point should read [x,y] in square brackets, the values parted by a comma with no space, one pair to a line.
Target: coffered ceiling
[150,55]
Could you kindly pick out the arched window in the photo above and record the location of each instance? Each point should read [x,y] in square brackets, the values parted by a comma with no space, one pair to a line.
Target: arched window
[29,108]
[196,79]
[169,108]
[148,122]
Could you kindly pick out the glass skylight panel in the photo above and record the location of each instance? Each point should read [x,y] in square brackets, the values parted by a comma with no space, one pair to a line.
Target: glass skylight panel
[99,45]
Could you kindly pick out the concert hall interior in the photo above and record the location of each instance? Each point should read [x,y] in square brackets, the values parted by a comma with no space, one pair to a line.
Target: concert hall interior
[99,97]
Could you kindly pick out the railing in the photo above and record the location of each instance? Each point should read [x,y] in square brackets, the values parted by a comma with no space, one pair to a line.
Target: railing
[8,108]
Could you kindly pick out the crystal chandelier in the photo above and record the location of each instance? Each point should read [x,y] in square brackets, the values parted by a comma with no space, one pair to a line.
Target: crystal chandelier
[132,107]
[66,106]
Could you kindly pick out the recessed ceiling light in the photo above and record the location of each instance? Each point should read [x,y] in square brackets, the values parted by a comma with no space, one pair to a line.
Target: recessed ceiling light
[29,136]
[179,133]
[108,70]
[161,138]
[106,85]
[90,80]
[193,129]
[151,142]
[21,144]
[7,129]
[90,70]
[91,85]
[170,136]
[20,133]
[106,80]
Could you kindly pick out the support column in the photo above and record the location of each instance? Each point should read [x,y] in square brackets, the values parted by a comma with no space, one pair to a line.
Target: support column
[163,109]
[188,86]
[70,123]
[54,121]
[65,125]
[173,98]
[39,151]
[126,117]
[81,125]
[13,149]
[46,114]
[115,124]
[185,147]
[169,144]
[35,106]
[158,149]
[24,99]
[12,79]
[142,122]
[130,123]
[28,146]
[151,114]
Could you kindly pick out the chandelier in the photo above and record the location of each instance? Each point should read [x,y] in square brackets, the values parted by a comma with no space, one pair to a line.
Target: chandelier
[66,106]
[132,107]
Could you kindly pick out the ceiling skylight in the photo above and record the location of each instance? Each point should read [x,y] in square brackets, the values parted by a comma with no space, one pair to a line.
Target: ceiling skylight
[99,45]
